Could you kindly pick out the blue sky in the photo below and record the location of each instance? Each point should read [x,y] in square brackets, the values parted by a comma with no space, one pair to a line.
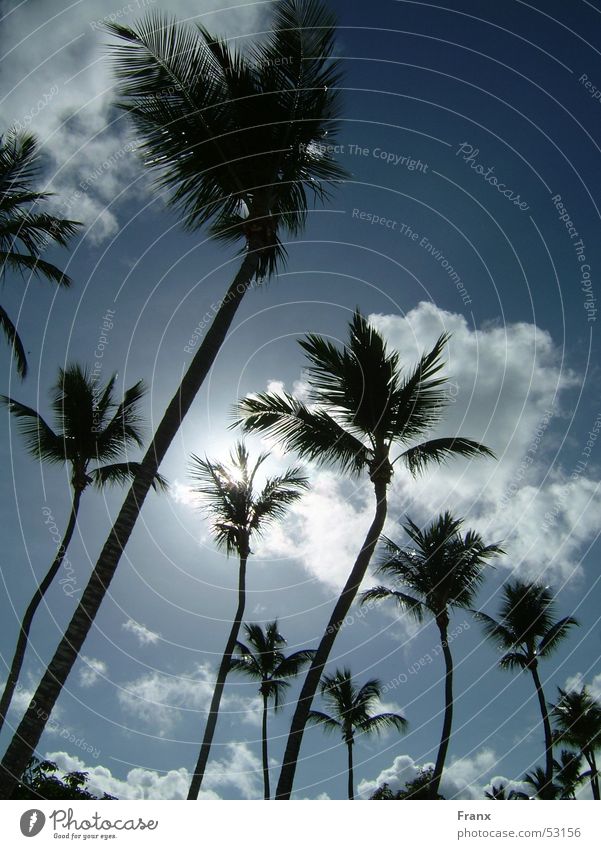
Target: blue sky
[510,87]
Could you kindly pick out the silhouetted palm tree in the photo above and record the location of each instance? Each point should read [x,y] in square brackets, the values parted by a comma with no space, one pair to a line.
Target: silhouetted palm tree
[528,631]
[443,570]
[351,712]
[577,720]
[363,406]
[92,432]
[239,515]
[262,659]
[25,231]
[568,773]
[543,788]
[238,142]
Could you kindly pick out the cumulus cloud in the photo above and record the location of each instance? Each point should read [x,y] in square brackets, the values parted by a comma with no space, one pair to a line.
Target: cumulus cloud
[65,95]
[143,634]
[91,670]
[508,388]
[160,700]
[577,682]
[464,778]
[239,770]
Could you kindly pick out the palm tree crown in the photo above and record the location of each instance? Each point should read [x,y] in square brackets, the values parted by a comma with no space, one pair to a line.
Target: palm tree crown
[262,659]
[238,513]
[527,628]
[441,567]
[91,427]
[237,137]
[24,230]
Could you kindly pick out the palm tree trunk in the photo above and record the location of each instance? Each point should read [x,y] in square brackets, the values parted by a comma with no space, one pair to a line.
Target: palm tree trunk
[594,775]
[343,605]
[546,726]
[267,790]
[443,623]
[224,668]
[21,647]
[351,781]
[34,721]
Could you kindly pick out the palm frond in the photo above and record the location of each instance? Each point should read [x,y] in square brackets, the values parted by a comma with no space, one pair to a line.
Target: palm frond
[382,722]
[40,440]
[514,660]
[328,723]
[419,457]
[495,631]
[313,435]
[555,635]
[14,340]
[406,602]
[122,473]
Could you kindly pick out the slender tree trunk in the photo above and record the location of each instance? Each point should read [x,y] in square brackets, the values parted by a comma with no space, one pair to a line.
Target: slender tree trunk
[546,726]
[443,624]
[33,723]
[343,605]
[594,776]
[267,790]
[21,647]
[351,780]
[224,668]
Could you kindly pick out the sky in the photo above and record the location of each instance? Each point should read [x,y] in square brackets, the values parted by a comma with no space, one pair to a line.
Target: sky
[431,92]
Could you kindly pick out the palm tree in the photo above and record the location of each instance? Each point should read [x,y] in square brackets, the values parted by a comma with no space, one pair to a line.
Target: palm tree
[363,405]
[263,660]
[526,632]
[442,570]
[577,720]
[568,773]
[24,231]
[91,434]
[239,515]
[351,712]
[543,788]
[238,143]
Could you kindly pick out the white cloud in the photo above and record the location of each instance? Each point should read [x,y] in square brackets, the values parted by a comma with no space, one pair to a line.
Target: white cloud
[508,387]
[160,701]
[91,671]
[464,778]
[239,769]
[576,682]
[58,83]
[143,634]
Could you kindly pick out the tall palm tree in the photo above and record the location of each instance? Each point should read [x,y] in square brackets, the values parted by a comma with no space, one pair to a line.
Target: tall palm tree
[568,773]
[262,659]
[362,407]
[351,712]
[25,231]
[239,515]
[442,570]
[527,631]
[577,722]
[92,432]
[238,144]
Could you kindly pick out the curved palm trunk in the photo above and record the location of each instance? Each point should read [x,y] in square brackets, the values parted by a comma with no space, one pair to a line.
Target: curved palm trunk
[351,781]
[34,721]
[21,647]
[443,624]
[343,605]
[267,790]
[594,775]
[546,726]
[224,668]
